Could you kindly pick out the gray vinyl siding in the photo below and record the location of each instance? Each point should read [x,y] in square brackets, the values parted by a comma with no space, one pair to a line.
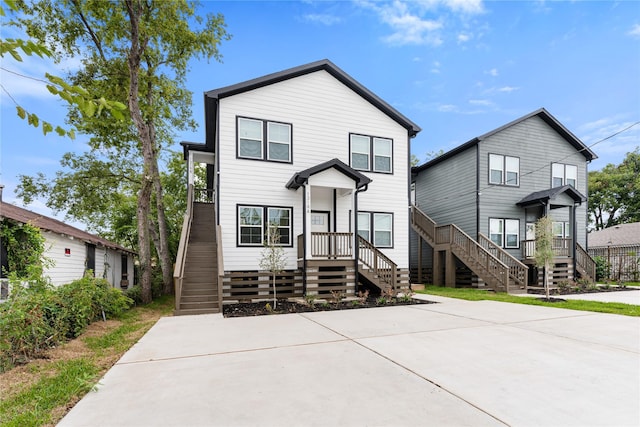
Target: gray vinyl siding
[447,193]
[537,146]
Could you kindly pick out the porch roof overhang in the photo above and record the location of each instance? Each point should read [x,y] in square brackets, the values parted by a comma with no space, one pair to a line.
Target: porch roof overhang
[551,196]
[301,178]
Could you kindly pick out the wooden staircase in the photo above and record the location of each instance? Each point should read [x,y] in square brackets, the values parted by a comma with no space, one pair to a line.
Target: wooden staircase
[198,293]
[496,267]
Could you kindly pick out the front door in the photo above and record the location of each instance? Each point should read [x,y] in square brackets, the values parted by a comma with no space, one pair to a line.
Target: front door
[321,244]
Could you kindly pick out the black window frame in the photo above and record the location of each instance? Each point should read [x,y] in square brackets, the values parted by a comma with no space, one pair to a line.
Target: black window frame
[372,230]
[504,232]
[264,225]
[504,170]
[371,153]
[265,140]
[564,174]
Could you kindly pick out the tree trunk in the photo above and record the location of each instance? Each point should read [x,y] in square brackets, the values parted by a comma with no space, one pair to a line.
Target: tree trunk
[134,9]
[164,255]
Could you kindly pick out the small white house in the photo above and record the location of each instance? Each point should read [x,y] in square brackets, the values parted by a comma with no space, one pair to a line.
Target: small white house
[72,251]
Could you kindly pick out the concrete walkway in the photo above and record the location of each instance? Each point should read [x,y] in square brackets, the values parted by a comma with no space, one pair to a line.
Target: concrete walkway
[455,363]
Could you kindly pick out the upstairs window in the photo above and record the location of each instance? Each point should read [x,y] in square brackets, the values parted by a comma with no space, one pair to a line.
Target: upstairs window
[264,140]
[562,174]
[504,170]
[505,232]
[369,153]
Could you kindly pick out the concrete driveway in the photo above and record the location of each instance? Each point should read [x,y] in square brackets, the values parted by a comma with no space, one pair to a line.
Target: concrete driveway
[454,363]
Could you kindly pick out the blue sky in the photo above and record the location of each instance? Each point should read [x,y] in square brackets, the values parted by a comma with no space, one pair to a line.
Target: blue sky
[456,68]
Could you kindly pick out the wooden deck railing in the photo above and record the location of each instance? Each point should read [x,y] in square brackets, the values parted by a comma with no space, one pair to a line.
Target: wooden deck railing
[585,262]
[518,272]
[421,221]
[329,245]
[203,195]
[379,263]
[561,247]
[178,270]
[473,254]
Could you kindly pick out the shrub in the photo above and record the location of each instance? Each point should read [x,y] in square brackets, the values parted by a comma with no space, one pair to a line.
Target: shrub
[35,318]
[602,268]
[135,294]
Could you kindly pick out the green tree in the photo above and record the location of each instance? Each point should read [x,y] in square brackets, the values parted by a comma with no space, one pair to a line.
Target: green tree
[544,249]
[614,192]
[76,96]
[138,51]
[273,258]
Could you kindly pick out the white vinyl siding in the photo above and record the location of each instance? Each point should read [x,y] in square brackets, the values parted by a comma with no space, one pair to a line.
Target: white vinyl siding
[504,170]
[323,113]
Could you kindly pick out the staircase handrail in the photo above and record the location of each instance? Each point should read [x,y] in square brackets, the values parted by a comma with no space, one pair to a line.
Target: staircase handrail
[585,261]
[423,222]
[178,270]
[379,263]
[468,247]
[517,270]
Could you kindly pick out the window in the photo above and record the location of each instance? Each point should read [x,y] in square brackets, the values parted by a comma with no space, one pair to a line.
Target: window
[252,227]
[561,229]
[376,227]
[504,170]
[562,174]
[373,154]
[505,232]
[252,143]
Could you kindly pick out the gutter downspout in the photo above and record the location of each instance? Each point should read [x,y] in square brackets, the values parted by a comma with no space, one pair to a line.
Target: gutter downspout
[304,239]
[356,245]
[575,239]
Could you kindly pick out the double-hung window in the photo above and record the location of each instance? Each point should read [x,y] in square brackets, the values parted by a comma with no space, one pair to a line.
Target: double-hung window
[504,170]
[505,232]
[254,221]
[370,153]
[562,174]
[376,227]
[264,140]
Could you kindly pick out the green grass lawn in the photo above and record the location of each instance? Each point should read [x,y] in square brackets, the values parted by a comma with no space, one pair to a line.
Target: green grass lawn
[40,392]
[479,295]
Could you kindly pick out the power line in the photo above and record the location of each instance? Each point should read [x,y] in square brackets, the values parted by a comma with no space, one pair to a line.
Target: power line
[453,196]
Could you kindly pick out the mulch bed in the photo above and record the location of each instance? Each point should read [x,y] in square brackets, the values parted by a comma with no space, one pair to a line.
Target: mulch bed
[284,306]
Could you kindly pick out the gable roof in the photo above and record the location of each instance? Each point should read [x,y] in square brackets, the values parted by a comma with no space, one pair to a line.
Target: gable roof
[542,114]
[618,235]
[312,67]
[545,195]
[25,216]
[301,178]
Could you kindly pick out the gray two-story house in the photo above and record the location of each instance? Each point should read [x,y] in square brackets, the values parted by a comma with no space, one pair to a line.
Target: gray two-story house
[475,207]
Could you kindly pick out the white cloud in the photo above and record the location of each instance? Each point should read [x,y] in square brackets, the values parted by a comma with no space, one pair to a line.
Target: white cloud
[435,69]
[635,31]
[507,89]
[481,102]
[468,7]
[324,19]
[492,72]
[463,38]
[447,108]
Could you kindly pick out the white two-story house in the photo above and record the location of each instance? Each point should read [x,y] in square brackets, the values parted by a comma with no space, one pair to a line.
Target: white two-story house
[308,150]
